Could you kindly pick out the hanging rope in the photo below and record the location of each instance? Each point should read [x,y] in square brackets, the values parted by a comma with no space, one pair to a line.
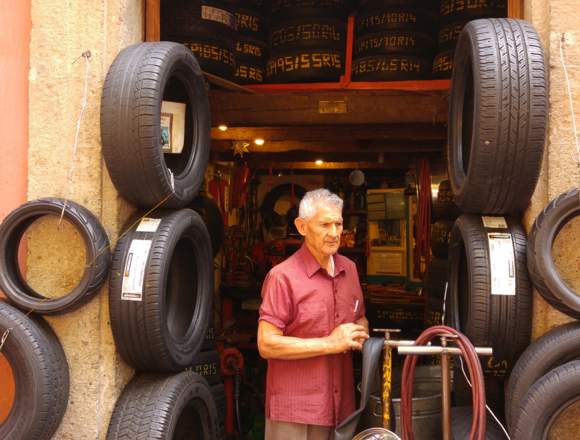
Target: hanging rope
[423,220]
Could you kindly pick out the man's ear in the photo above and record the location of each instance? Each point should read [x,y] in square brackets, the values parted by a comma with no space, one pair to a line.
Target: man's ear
[300,224]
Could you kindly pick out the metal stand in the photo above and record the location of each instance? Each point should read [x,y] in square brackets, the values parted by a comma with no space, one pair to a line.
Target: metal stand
[406,347]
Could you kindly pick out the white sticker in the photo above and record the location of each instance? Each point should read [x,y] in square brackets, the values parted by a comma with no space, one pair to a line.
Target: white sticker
[148,224]
[494,222]
[134,273]
[502,263]
[219,15]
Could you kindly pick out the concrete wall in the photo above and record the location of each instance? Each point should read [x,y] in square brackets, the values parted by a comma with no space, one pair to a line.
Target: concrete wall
[61,31]
[561,170]
[556,20]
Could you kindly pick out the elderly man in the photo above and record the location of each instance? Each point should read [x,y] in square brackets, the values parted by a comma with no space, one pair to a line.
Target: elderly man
[311,317]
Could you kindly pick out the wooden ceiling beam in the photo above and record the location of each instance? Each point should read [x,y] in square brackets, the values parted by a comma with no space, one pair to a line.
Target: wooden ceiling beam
[397,132]
[328,108]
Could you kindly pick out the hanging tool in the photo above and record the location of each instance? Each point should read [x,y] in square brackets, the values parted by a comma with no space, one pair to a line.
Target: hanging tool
[387,374]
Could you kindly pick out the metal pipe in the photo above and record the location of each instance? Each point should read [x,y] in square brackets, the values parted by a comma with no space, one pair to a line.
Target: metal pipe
[445,392]
[433,349]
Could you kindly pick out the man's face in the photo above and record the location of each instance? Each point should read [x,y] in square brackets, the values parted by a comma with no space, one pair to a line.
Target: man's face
[322,231]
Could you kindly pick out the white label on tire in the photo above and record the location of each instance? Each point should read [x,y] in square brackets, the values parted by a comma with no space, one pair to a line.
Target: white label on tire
[134,273]
[220,15]
[148,224]
[494,222]
[502,263]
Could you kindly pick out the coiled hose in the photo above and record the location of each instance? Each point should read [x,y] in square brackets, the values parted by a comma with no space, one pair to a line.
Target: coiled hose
[475,374]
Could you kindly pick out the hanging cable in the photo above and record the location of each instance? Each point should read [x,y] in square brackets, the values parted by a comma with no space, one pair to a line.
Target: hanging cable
[475,373]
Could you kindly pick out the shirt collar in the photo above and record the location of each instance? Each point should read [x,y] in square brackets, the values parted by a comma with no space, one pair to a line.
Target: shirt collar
[312,266]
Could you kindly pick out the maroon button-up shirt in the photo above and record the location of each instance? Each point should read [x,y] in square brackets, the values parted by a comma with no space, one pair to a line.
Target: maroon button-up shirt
[303,300]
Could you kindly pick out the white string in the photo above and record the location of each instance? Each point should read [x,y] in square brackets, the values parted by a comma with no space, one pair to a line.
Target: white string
[87,56]
[444,304]
[4,337]
[570,98]
[486,406]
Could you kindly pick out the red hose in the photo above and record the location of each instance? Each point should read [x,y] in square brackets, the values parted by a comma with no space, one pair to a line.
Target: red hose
[475,376]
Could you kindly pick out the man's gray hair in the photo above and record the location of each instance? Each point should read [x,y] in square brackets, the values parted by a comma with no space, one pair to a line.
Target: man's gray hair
[314,199]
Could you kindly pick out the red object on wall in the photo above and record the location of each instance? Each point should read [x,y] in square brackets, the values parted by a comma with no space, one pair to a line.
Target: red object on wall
[15,23]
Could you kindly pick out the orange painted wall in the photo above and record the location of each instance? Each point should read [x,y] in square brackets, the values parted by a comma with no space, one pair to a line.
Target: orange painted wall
[14,61]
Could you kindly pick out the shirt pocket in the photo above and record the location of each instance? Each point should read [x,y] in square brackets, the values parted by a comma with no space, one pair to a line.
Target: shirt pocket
[313,319]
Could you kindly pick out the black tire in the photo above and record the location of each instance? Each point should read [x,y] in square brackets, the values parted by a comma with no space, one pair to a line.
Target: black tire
[449,34]
[249,73]
[160,320]
[210,212]
[443,65]
[454,10]
[197,18]
[215,55]
[394,18]
[461,418]
[156,407]
[553,349]
[392,67]
[393,41]
[288,9]
[250,23]
[219,394]
[207,365]
[269,216]
[12,281]
[432,5]
[543,271]
[489,319]
[306,65]
[497,116]
[440,231]
[130,124]
[41,376]
[544,402]
[250,50]
[444,207]
[310,32]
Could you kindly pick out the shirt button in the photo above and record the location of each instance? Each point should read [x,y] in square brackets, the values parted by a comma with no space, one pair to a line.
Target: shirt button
[335,391]
[337,315]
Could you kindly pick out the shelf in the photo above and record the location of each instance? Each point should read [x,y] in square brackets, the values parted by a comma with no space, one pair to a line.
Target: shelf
[352,250]
[433,85]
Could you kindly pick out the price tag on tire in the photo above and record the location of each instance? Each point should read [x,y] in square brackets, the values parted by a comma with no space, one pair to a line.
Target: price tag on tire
[502,264]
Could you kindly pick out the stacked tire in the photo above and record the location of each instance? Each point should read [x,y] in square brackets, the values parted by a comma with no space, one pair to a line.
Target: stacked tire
[29,348]
[251,46]
[453,16]
[394,40]
[161,281]
[544,381]
[497,124]
[307,40]
[207,28]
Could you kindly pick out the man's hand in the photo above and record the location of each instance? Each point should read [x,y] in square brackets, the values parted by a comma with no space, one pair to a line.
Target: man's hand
[347,337]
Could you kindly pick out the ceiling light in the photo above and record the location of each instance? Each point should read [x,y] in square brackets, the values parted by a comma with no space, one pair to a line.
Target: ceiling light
[259,141]
[319,162]
[222,127]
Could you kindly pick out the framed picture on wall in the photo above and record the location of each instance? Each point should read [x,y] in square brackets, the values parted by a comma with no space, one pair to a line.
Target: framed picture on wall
[172,126]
